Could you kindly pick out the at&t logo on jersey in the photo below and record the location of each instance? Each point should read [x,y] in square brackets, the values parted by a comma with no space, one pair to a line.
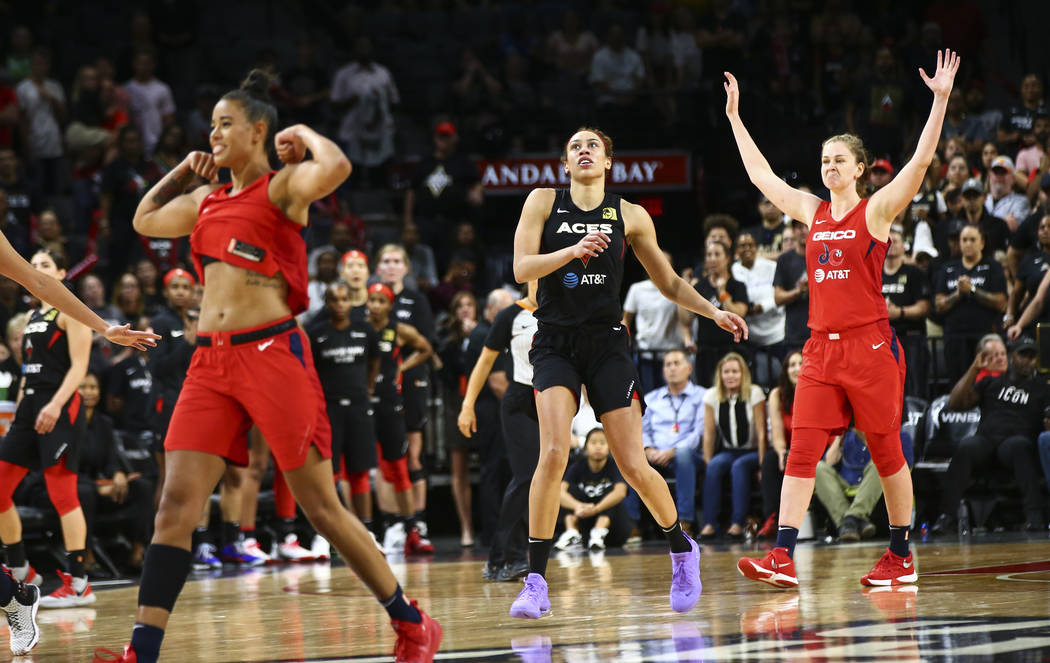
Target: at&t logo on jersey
[584,228]
[819,275]
[572,279]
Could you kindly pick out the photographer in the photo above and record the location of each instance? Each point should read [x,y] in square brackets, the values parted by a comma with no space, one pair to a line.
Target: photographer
[1012,406]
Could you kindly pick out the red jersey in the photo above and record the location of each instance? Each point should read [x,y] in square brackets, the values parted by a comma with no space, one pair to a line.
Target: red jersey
[844,263]
[247,230]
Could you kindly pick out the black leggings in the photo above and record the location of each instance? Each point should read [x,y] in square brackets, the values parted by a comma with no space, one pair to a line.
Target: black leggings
[974,455]
[771,483]
[521,430]
[135,514]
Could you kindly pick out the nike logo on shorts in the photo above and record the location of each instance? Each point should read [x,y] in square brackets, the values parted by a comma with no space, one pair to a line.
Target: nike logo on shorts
[876,347]
[265,344]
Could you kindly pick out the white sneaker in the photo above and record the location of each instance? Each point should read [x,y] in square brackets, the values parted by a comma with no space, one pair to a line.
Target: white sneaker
[291,551]
[394,539]
[421,525]
[21,618]
[72,593]
[570,538]
[26,574]
[252,547]
[320,548]
[376,541]
[597,540]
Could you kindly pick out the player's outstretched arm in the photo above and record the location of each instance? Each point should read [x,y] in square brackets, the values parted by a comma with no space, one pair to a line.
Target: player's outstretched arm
[642,236]
[888,201]
[797,204]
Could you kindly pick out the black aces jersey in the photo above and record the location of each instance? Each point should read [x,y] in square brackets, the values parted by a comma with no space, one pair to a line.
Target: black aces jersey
[388,382]
[586,291]
[45,351]
[341,357]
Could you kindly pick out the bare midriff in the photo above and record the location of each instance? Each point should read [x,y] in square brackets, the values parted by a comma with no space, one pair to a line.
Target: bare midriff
[237,298]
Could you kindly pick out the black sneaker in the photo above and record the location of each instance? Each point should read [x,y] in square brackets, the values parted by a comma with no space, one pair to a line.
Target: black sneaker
[867,529]
[849,530]
[944,525]
[490,571]
[512,571]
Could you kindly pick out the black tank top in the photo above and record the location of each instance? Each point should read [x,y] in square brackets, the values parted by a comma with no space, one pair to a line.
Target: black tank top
[45,351]
[584,291]
[341,357]
[388,382]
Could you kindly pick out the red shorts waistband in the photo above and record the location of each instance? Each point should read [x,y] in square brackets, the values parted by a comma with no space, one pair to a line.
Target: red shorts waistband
[246,335]
[879,326]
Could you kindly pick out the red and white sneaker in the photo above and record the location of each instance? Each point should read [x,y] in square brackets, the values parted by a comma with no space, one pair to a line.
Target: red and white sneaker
[289,550]
[776,568]
[415,544]
[416,643]
[26,574]
[251,546]
[891,570]
[113,657]
[67,595]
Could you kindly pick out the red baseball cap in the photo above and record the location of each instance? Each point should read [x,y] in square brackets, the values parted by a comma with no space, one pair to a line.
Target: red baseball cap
[882,164]
[445,128]
[383,290]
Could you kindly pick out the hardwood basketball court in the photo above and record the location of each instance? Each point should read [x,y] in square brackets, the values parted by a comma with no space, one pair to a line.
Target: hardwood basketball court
[974,601]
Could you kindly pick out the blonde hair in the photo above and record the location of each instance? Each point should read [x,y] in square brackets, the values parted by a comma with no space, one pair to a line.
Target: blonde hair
[17,323]
[397,248]
[745,377]
[856,147]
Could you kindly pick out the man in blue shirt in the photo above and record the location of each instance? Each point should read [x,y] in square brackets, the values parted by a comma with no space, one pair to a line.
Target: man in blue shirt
[672,427]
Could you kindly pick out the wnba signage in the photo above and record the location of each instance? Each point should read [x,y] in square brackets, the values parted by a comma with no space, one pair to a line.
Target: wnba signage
[631,171]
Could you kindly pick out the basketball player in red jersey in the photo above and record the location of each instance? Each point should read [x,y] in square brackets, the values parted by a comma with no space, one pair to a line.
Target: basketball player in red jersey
[252,362]
[852,364]
[573,241]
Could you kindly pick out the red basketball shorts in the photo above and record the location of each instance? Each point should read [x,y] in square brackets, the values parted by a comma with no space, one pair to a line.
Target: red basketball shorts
[263,375]
[856,373]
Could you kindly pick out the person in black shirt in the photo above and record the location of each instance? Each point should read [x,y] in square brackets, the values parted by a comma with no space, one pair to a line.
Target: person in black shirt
[130,398]
[346,355]
[971,295]
[907,292]
[593,492]
[1028,277]
[1011,417]
[103,484]
[769,234]
[717,286]
[996,232]
[791,286]
[446,189]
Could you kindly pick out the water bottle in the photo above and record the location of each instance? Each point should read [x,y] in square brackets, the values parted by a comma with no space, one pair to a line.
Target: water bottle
[963,519]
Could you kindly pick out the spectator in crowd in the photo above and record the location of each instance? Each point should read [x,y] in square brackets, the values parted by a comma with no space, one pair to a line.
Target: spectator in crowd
[49,235]
[171,147]
[1002,202]
[989,150]
[19,55]
[1012,407]
[308,86]
[880,110]
[721,228]
[734,431]
[996,358]
[1029,275]
[1031,154]
[769,234]
[128,298]
[1020,120]
[907,292]
[93,292]
[21,200]
[423,275]
[985,120]
[460,321]
[970,293]
[458,279]
[87,139]
[476,91]
[655,329]
[765,320]
[847,484]
[115,96]
[881,174]
[152,104]
[340,240]
[791,286]
[958,125]
[1026,239]
[326,273]
[593,491]
[446,188]
[957,172]
[717,286]
[124,181]
[568,52]
[672,427]
[994,229]
[149,281]
[722,35]
[617,76]
[365,93]
[774,455]
[43,103]
[103,484]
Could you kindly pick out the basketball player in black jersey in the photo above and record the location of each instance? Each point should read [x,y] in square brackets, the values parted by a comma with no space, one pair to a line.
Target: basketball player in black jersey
[346,355]
[574,242]
[46,435]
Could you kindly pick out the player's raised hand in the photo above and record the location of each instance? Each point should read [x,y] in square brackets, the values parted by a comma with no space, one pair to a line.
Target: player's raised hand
[732,94]
[944,76]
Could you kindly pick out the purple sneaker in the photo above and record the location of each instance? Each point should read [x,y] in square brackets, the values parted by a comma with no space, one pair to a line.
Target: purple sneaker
[685,578]
[532,602]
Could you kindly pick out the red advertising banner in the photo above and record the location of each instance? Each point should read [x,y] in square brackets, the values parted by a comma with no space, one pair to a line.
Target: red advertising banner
[631,171]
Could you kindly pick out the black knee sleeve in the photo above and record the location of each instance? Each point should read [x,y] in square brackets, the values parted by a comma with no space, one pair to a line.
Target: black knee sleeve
[417,475]
[163,575]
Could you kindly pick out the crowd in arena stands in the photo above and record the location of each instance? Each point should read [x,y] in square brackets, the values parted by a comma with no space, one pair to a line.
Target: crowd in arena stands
[88,125]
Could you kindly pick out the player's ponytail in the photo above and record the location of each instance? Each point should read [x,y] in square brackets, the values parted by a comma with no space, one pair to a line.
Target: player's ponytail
[856,147]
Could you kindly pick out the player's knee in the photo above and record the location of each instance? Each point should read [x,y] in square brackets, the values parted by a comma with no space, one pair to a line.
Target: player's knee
[233,477]
[886,452]
[178,511]
[807,446]
[62,489]
[359,484]
[634,468]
